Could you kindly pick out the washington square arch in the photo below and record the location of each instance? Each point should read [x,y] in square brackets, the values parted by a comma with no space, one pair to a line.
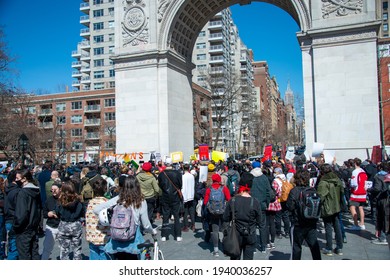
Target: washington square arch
[153,72]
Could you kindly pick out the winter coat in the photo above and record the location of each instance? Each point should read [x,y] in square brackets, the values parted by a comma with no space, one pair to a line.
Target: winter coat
[149,185]
[330,189]
[169,192]
[71,213]
[28,209]
[260,188]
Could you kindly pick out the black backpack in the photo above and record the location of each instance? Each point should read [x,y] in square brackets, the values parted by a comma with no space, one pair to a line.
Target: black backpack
[309,204]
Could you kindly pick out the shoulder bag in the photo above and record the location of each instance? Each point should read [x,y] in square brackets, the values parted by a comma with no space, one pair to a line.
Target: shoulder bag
[231,246]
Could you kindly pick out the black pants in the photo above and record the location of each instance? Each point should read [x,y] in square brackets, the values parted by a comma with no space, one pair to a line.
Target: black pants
[247,245]
[308,234]
[263,231]
[27,244]
[151,202]
[169,209]
[189,209]
[280,216]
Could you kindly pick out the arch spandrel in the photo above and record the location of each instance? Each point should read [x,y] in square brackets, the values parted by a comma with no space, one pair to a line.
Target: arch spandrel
[181,21]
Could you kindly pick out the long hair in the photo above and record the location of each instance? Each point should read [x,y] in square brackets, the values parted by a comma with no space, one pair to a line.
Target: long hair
[302,178]
[68,194]
[130,192]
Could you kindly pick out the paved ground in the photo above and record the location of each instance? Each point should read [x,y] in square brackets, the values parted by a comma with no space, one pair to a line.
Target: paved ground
[358,247]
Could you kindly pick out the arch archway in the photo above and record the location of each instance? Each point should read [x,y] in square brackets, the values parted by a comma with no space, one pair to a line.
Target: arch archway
[153,72]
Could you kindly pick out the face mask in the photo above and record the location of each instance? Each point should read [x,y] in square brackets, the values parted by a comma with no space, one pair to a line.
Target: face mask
[19,183]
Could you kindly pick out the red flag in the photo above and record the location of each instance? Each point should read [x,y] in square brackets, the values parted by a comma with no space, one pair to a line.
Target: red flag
[267,155]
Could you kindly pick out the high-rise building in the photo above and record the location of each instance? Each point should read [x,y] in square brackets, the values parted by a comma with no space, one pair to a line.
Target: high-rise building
[93,68]
[289,95]
[223,66]
[383,12]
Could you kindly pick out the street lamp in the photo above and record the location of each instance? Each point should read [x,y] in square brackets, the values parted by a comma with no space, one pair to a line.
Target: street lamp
[23,145]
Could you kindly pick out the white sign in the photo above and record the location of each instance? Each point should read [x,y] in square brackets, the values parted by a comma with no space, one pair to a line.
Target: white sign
[203,171]
[318,149]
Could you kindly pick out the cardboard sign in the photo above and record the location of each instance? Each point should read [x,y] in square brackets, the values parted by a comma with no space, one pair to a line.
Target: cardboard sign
[177,157]
[217,156]
[204,152]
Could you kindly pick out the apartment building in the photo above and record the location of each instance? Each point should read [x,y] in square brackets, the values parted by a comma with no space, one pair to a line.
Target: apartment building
[93,68]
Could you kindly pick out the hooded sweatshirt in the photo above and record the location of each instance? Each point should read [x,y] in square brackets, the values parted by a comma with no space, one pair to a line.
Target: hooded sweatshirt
[149,185]
[330,190]
[28,209]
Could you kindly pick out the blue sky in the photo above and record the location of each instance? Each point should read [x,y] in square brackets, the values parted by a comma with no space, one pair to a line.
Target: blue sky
[42,35]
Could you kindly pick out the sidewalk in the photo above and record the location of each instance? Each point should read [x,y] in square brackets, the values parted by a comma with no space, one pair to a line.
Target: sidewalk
[358,246]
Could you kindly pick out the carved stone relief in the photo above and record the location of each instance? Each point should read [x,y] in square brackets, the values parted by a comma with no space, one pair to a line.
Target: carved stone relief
[162,7]
[339,8]
[135,23]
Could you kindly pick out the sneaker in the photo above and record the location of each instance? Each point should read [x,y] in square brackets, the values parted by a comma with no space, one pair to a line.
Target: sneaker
[215,254]
[163,239]
[263,252]
[344,239]
[268,247]
[353,227]
[272,245]
[279,236]
[327,252]
[179,239]
[362,227]
[287,236]
[338,252]
[380,242]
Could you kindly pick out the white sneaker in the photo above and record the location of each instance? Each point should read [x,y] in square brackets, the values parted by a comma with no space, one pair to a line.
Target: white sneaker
[163,239]
[363,227]
[179,239]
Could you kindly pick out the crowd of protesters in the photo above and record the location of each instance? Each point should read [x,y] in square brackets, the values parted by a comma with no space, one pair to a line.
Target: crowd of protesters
[59,203]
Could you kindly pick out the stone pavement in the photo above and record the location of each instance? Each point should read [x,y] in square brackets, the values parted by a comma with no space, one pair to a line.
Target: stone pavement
[358,246]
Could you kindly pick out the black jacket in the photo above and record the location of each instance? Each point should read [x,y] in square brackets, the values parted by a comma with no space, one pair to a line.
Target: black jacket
[50,205]
[28,209]
[261,188]
[11,192]
[71,213]
[169,192]
[292,206]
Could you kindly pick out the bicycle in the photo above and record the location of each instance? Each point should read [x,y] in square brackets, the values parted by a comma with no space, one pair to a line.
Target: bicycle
[151,251]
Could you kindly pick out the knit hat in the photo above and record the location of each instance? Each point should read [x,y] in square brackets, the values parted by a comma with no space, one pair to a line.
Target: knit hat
[147,166]
[278,170]
[256,164]
[216,178]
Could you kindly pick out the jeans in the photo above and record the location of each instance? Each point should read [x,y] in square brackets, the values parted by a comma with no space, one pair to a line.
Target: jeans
[96,252]
[280,216]
[263,231]
[151,202]
[304,233]
[215,221]
[48,243]
[3,237]
[270,228]
[12,250]
[330,223]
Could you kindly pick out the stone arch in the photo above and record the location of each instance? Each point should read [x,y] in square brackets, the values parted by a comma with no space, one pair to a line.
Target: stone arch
[181,21]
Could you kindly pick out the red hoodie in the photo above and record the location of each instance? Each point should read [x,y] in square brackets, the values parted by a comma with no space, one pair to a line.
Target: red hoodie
[225,191]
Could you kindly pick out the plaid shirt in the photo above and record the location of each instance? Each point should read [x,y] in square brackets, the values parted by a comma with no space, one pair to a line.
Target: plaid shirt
[275,206]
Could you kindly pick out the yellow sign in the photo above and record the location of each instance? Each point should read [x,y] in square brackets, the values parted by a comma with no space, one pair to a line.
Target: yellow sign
[177,157]
[216,156]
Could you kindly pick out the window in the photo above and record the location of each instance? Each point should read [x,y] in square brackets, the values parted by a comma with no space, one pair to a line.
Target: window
[98,86]
[201,78]
[201,56]
[31,121]
[97,2]
[112,84]
[61,133]
[385,5]
[111,37]
[98,26]
[61,120]
[76,119]
[31,110]
[111,11]
[201,67]
[110,131]
[77,145]
[111,24]
[201,45]
[98,39]
[385,16]
[109,102]
[98,62]
[76,132]
[60,107]
[73,158]
[111,49]
[98,74]
[202,33]
[385,27]
[98,13]
[76,105]
[109,116]
[112,73]
[98,51]
[109,144]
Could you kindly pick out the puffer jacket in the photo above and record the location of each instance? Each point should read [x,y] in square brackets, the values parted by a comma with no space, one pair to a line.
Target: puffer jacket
[330,190]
